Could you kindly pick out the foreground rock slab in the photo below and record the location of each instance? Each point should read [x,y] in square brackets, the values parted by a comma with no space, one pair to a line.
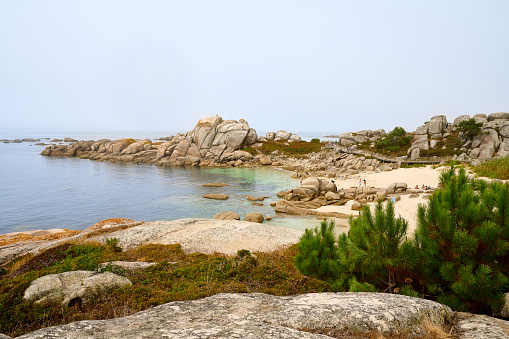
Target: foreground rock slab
[262,316]
[206,235]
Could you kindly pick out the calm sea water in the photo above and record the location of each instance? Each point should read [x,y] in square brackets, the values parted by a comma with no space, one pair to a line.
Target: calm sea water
[38,192]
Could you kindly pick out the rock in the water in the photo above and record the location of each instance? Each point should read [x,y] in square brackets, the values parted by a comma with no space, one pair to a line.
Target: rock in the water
[227,215]
[254,217]
[251,198]
[256,315]
[216,196]
[74,286]
[215,184]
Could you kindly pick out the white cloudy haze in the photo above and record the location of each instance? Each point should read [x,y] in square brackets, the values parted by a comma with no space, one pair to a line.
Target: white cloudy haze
[315,66]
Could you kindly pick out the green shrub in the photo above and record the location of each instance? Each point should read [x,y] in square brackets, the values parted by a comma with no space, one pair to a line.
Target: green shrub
[112,244]
[394,142]
[470,128]
[315,140]
[463,239]
[495,168]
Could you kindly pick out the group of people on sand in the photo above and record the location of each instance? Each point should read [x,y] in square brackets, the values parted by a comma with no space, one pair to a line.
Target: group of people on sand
[423,187]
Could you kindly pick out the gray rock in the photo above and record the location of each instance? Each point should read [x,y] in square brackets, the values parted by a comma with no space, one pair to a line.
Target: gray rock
[460,119]
[254,217]
[73,286]
[482,118]
[227,215]
[283,135]
[205,235]
[270,136]
[295,138]
[422,130]
[498,115]
[475,326]
[259,315]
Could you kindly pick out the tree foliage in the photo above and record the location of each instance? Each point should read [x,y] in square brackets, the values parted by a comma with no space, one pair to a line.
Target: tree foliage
[459,254]
[470,128]
[394,141]
[463,240]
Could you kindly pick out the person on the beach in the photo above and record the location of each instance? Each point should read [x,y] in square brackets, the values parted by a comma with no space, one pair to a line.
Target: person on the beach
[364,182]
[360,182]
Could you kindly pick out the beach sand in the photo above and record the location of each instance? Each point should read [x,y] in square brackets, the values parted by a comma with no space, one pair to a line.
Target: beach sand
[406,207]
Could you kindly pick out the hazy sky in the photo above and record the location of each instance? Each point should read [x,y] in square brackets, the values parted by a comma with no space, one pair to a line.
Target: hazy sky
[316,66]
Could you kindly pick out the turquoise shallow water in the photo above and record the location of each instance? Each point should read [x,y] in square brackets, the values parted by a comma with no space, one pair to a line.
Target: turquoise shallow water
[39,192]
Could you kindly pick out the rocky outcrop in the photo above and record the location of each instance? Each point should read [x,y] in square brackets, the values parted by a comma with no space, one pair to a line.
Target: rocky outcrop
[205,235]
[212,140]
[259,315]
[348,139]
[194,235]
[280,136]
[73,287]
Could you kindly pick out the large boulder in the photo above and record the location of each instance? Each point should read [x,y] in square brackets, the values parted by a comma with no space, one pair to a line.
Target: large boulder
[460,119]
[74,286]
[498,115]
[304,193]
[437,125]
[254,217]
[397,187]
[282,135]
[257,315]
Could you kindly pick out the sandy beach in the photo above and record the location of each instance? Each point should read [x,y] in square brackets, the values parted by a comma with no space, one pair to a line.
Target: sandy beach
[406,207]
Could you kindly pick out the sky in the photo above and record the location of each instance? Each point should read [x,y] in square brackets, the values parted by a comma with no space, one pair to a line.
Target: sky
[302,66]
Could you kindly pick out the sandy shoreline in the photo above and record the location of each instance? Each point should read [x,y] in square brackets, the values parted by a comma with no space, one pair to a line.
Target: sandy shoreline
[406,207]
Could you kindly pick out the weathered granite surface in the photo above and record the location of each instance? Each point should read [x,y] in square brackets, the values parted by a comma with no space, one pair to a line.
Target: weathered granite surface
[261,316]
[78,286]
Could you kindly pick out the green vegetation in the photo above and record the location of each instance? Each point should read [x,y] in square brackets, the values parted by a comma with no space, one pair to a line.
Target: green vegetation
[448,146]
[396,141]
[470,128]
[459,255]
[295,149]
[176,276]
[496,168]
[315,140]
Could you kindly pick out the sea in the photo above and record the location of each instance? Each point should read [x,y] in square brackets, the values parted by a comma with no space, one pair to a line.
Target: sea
[39,192]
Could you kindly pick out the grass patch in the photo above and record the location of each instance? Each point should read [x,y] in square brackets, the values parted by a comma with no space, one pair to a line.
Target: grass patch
[450,143]
[295,149]
[495,169]
[176,276]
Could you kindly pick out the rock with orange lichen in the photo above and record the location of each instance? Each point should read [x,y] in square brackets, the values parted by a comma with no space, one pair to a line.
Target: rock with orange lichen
[108,223]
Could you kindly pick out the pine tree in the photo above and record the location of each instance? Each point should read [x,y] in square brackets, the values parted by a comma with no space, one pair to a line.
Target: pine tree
[376,249]
[463,241]
[318,252]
